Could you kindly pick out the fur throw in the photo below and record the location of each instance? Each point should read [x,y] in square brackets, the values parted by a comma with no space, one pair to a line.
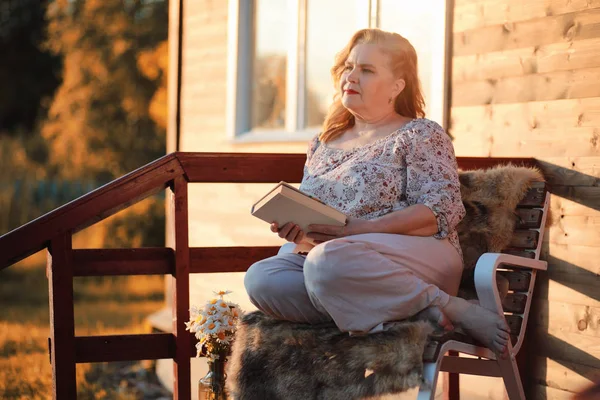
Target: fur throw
[274,360]
[490,198]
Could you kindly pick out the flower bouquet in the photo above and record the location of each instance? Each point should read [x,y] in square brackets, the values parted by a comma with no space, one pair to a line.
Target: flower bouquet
[214,326]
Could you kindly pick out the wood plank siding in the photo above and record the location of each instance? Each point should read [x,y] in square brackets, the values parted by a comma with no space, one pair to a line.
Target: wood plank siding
[204,70]
[525,82]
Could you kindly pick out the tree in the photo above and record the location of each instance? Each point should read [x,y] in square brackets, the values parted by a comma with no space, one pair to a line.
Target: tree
[99,124]
[153,65]
[28,74]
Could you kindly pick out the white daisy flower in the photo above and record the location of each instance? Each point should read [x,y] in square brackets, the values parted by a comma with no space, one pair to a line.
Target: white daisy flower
[211,319]
[199,318]
[229,323]
[210,328]
[211,308]
[214,324]
[222,306]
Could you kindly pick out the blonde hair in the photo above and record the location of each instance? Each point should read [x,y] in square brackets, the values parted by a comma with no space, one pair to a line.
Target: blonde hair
[403,63]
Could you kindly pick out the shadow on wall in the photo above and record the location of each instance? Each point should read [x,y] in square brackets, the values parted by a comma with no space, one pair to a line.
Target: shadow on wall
[583,190]
[572,185]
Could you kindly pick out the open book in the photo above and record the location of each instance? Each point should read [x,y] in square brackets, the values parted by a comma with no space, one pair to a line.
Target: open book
[284,203]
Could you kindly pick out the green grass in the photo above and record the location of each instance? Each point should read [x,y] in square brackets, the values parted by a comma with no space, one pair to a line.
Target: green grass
[103,305]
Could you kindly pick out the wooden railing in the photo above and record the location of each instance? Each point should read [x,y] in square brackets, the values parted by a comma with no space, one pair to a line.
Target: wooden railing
[55,230]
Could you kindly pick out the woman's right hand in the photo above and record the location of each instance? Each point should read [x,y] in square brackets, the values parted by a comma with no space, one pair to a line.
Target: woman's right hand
[290,232]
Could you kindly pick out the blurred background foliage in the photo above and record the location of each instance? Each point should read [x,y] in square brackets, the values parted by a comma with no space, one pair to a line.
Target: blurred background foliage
[83,101]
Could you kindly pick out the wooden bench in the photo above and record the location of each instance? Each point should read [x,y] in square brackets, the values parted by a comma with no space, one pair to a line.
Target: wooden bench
[518,265]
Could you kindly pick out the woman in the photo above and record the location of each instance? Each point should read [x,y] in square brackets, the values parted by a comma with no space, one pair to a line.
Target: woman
[394,174]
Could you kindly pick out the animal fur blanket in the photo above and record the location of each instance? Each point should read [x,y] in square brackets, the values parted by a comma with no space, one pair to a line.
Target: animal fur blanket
[490,198]
[276,360]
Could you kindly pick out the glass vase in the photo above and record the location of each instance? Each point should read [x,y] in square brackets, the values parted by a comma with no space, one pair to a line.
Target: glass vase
[212,385]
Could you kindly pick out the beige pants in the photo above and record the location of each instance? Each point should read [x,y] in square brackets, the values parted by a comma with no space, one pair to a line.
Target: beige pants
[359,281]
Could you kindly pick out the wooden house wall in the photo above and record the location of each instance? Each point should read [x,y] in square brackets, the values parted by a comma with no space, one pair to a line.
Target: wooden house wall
[219,213]
[526,82]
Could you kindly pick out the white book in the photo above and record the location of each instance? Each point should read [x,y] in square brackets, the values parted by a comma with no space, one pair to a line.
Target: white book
[284,203]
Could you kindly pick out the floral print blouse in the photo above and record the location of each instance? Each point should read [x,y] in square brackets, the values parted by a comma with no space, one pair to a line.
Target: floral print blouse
[412,165]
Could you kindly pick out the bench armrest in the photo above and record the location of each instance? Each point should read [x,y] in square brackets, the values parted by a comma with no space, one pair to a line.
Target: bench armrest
[485,276]
[486,285]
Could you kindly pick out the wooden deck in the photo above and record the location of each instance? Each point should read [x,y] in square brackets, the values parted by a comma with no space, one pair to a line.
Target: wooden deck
[174,172]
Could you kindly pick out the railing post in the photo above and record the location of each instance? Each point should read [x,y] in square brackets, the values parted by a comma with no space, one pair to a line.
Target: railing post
[62,320]
[453,381]
[181,291]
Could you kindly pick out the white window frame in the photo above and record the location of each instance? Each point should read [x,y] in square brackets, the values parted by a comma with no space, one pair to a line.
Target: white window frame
[239,74]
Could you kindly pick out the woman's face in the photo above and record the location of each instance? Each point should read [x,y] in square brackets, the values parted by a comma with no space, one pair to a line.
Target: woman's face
[367,83]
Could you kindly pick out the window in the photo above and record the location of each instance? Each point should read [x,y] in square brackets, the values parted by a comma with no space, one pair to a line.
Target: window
[281,51]
[270,59]
[423,23]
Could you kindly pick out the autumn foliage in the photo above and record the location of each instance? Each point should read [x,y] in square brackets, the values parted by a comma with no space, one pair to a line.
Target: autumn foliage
[108,116]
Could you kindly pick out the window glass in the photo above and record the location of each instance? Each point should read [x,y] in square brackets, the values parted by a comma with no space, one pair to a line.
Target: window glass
[272,42]
[330,25]
[423,24]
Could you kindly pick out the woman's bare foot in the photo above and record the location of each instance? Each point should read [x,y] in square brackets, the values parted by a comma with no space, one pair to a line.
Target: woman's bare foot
[435,315]
[485,326]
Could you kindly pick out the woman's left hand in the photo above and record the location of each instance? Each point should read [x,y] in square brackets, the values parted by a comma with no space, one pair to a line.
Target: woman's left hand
[323,233]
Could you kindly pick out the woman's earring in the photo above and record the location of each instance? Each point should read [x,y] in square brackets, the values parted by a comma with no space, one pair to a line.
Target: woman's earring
[390,101]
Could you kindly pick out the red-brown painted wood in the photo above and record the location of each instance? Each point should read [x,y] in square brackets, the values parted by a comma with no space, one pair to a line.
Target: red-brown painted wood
[453,381]
[228,259]
[161,261]
[242,167]
[62,321]
[152,346]
[181,292]
[110,262]
[88,209]
[270,167]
